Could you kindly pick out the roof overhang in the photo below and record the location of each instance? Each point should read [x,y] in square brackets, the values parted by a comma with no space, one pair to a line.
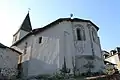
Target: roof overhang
[35,31]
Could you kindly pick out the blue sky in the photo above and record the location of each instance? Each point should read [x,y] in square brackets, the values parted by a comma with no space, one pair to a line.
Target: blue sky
[104,13]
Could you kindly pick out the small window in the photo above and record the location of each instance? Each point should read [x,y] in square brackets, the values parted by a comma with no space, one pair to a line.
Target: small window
[25,49]
[0,70]
[40,40]
[78,34]
[26,43]
[93,35]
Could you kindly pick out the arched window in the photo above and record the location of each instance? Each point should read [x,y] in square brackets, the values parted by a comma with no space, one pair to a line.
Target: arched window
[79,37]
[80,33]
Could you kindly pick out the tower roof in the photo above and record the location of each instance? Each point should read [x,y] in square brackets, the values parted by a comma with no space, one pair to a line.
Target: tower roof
[26,25]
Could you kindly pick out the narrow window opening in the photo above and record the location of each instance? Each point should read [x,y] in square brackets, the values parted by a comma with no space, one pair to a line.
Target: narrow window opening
[40,40]
[25,49]
[93,36]
[0,70]
[84,35]
[26,45]
[79,34]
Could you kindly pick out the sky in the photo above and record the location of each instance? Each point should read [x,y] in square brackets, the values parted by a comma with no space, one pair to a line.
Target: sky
[104,13]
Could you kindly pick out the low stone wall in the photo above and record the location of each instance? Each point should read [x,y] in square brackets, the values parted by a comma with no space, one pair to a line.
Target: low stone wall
[105,77]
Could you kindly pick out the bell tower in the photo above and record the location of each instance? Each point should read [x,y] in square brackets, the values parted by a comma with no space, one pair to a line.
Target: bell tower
[24,29]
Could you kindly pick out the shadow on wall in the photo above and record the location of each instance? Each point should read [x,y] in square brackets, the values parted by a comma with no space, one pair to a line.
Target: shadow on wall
[35,67]
[23,69]
[88,63]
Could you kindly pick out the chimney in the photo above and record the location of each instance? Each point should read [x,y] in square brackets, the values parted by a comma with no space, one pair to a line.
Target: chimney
[113,52]
[118,49]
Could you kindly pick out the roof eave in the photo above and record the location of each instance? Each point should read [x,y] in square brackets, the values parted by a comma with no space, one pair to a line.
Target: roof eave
[35,31]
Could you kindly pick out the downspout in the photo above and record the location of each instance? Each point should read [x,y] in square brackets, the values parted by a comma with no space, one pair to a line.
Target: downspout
[21,58]
[19,66]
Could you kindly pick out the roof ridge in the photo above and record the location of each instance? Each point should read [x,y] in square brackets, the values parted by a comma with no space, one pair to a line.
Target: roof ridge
[35,31]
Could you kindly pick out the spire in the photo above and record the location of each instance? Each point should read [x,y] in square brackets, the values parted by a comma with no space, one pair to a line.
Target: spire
[26,25]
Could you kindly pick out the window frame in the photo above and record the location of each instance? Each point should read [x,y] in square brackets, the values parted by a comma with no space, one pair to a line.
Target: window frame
[82,32]
[78,33]
[40,40]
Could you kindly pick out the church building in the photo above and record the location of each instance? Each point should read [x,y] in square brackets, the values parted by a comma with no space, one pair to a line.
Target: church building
[72,41]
